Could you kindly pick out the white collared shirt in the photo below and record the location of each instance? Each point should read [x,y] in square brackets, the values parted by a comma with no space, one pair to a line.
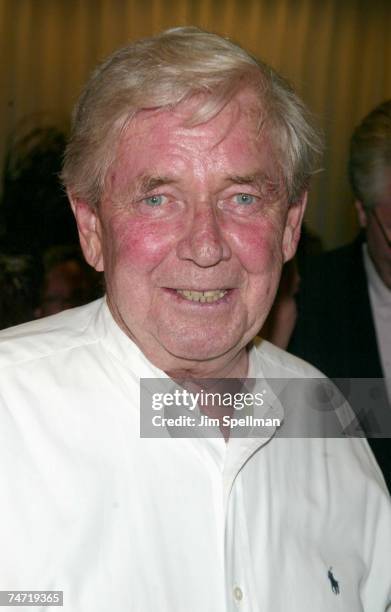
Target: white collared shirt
[128,524]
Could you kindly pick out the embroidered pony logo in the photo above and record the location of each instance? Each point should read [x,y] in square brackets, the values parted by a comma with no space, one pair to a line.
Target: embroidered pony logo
[333,582]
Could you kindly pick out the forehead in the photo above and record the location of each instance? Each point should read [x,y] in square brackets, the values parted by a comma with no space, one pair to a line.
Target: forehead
[187,116]
[158,141]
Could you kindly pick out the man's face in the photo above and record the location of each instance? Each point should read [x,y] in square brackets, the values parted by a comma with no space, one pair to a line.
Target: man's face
[377,222]
[192,232]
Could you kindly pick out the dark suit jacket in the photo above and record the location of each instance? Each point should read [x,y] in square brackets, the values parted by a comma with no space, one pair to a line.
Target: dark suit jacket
[335,329]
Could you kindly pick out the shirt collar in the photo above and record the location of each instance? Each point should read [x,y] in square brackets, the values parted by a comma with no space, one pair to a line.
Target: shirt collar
[381,291]
[122,347]
[124,350]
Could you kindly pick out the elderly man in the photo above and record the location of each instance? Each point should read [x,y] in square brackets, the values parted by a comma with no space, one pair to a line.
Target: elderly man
[344,323]
[187,171]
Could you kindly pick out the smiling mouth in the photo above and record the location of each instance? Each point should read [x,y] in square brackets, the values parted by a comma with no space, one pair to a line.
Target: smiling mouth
[202,296]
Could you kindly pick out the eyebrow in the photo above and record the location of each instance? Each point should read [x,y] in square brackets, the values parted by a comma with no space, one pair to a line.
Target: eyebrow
[246,178]
[258,178]
[146,183]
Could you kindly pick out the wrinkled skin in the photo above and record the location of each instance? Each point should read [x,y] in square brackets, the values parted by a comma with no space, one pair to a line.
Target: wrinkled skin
[192,208]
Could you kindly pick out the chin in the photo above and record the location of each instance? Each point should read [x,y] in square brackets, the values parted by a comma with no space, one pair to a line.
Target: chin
[196,349]
[194,353]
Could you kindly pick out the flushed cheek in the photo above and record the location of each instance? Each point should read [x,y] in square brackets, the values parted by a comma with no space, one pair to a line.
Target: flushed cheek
[142,245]
[259,251]
[258,247]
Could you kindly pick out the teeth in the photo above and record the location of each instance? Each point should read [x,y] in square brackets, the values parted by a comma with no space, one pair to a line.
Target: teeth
[202,296]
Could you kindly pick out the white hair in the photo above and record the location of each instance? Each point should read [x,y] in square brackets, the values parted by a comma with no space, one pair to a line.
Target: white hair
[165,70]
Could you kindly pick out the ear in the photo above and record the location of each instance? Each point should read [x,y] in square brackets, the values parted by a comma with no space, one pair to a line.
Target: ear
[361,214]
[90,232]
[292,229]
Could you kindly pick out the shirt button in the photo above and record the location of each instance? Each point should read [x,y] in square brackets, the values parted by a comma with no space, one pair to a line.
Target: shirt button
[238,593]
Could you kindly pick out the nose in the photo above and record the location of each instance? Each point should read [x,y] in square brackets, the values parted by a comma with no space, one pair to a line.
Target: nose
[204,243]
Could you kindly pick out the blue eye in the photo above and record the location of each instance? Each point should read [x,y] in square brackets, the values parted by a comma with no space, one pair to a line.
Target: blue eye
[155,200]
[244,198]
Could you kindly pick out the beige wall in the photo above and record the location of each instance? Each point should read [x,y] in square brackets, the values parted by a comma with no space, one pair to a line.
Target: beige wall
[336,52]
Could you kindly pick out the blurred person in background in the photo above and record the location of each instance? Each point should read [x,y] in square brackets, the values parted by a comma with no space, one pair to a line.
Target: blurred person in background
[20,278]
[34,209]
[68,281]
[344,302]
